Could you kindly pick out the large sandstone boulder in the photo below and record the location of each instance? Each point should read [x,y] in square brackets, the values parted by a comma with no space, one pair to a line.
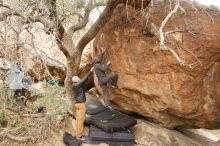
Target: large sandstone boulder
[43,70]
[35,51]
[151,82]
[214,135]
[41,56]
[150,134]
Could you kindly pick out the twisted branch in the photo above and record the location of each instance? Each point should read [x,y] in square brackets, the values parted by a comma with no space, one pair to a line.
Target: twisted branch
[162,38]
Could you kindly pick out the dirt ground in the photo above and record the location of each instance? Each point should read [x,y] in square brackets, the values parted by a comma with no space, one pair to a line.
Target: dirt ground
[57,138]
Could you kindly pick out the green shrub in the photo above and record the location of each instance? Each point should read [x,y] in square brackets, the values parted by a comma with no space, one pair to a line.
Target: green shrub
[51,98]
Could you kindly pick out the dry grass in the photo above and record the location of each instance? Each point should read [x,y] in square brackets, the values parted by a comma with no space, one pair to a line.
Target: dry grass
[23,125]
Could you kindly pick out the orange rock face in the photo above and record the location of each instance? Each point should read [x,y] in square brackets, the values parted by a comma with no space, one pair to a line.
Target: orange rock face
[151,82]
[85,66]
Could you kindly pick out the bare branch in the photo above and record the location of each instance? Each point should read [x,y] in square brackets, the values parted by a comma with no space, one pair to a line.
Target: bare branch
[10,12]
[191,53]
[162,38]
[162,45]
[82,23]
[11,27]
[193,33]
[173,31]
[210,16]
[20,139]
[59,35]
[103,18]
[182,9]
[170,4]
[127,10]
[164,34]
[203,9]
[18,13]
[147,12]
[59,29]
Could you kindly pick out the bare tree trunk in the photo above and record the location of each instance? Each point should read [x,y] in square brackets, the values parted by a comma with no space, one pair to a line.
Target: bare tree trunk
[68,83]
[72,69]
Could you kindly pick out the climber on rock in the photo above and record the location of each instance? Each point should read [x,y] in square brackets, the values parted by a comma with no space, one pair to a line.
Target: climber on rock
[103,79]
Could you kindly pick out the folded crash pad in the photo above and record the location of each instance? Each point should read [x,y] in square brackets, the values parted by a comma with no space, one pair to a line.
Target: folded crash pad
[106,119]
[109,143]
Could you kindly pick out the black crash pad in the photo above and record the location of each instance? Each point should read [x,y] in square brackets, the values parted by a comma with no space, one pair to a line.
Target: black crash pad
[106,119]
[69,140]
[93,106]
[105,115]
[110,143]
[96,134]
